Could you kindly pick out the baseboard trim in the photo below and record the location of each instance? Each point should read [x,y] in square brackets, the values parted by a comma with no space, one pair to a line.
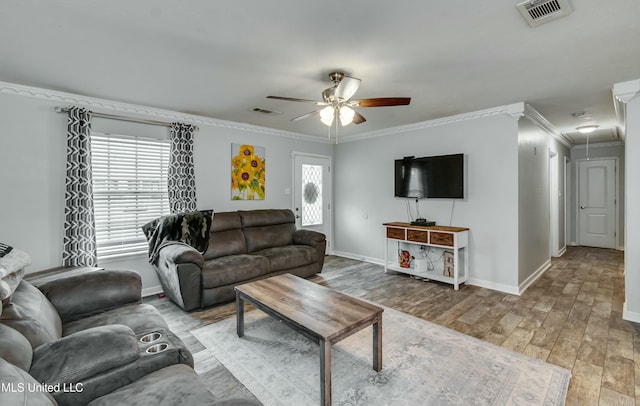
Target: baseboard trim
[153,290]
[500,287]
[630,316]
[357,257]
[562,251]
[534,276]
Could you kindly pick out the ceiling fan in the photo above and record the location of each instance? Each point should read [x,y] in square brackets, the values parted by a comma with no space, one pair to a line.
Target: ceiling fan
[336,101]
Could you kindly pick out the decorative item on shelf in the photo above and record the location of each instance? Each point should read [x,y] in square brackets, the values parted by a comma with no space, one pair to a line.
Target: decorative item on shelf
[448,264]
[405,259]
[421,265]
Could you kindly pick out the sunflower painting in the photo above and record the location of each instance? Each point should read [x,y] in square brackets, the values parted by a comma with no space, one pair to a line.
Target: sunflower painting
[247,172]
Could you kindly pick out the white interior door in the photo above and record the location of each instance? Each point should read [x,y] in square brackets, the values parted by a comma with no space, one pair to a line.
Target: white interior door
[312,193]
[597,203]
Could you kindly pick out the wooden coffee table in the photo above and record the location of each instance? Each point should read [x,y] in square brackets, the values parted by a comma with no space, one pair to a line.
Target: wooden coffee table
[318,312]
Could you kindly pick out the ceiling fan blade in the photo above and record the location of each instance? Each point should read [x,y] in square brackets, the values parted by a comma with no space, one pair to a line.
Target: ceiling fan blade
[307,115]
[358,118]
[347,87]
[293,99]
[381,102]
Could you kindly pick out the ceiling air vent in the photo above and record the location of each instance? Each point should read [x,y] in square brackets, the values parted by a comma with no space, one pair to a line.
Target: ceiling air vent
[538,12]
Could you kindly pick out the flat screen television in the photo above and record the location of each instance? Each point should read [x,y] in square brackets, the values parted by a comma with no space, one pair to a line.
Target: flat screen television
[430,177]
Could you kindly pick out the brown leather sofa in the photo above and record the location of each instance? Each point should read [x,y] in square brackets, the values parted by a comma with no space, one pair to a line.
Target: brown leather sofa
[243,246]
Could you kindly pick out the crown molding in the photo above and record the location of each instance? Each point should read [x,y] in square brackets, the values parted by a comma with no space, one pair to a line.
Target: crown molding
[599,145]
[623,93]
[620,109]
[626,91]
[514,111]
[538,119]
[106,106]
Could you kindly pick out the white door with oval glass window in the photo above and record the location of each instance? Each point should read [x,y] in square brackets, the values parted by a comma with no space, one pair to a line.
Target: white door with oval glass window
[312,193]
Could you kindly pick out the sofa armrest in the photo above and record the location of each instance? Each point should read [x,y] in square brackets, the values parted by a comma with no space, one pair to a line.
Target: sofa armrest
[181,254]
[316,240]
[308,237]
[179,269]
[76,357]
[79,296]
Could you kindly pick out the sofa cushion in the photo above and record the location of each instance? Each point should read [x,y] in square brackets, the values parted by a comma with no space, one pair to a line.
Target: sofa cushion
[76,357]
[83,295]
[112,379]
[31,314]
[259,238]
[289,256]
[141,318]
[233,269]
[15,348]
[225,236]
[267,217]
[16,378]
[224,221]
[227,242]
[173,385]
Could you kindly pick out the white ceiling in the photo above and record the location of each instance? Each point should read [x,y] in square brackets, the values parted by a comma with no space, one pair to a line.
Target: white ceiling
[221,58]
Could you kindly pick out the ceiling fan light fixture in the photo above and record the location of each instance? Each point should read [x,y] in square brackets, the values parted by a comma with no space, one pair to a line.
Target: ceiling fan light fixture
[346,115]
[326,115]
[586,129]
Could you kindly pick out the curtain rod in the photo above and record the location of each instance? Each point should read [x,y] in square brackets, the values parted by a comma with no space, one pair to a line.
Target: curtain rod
[121,118]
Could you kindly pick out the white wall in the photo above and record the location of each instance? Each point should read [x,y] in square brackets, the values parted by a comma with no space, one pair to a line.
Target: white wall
[632,214]
[364,195]
[32,172]
[534,147]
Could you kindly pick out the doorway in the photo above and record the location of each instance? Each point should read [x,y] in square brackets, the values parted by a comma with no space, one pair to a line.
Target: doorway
[312,194]
[597,208]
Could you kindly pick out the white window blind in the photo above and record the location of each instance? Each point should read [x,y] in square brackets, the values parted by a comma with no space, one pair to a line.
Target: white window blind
[129,190]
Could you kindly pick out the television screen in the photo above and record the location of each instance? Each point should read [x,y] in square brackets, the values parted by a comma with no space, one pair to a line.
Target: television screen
[430,177]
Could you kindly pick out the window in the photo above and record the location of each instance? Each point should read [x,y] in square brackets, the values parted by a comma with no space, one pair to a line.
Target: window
[129,190]
[311,195]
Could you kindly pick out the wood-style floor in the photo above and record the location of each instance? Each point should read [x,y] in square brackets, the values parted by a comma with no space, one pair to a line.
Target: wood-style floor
[571,316]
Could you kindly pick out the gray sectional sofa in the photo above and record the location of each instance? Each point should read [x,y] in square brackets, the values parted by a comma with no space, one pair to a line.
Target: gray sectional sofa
[88,339]
[242,246]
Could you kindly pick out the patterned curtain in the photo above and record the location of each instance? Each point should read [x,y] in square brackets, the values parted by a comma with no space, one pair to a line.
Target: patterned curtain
[79,225]
[182,180]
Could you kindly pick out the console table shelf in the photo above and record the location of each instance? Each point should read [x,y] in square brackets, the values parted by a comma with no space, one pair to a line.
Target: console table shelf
[453,239]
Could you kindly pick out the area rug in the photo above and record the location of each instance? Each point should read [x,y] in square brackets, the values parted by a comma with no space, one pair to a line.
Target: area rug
[423,364]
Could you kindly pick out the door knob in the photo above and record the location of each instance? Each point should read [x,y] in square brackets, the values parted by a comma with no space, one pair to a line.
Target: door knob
[582,207]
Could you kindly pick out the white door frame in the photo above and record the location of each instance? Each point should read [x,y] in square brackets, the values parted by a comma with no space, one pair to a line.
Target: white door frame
[616,197]
[565,203]
[554,225]
[328,191]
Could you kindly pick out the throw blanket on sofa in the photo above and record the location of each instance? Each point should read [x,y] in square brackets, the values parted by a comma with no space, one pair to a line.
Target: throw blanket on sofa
[12,263]
[181,228]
